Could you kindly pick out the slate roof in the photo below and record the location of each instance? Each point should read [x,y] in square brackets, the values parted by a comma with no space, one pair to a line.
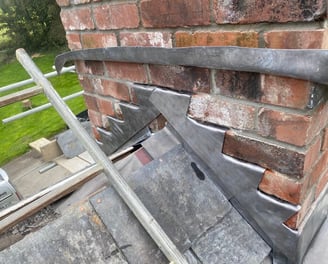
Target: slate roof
[190,208]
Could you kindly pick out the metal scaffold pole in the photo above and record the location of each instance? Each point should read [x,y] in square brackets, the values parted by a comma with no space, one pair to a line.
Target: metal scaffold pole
[118,182]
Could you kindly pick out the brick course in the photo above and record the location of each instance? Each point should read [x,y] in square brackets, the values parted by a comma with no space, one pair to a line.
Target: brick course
[219,38]
[114,16]
[247,12]
[273,120]
[153,39]
[98,40]
[174,13]
[77,19]
[180,78]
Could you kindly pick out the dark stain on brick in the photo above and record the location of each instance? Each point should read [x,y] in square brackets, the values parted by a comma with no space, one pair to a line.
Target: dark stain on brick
[273,157]
[239,84]
[190,79]
[245,11]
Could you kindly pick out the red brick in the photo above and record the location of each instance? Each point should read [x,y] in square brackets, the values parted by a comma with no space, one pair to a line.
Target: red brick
[285,91]
[73,40]
[225,113]
[285,127]
[312,155]
[175,13]
[219,38]
[321,184]
[320,118]
[127,71]
[325,38]
[281,186]
[105,106]
[95,118]
[296,220]
[241,85]
[86,83]
[77,19]
[153,39]
[90,67]
[96,133]
[63,2]
[320,166]
[114,89]
[246,12]
[116,16]
[324,145]
[98,40]
[181,78]
[91,102]
[305,39]
[266,154]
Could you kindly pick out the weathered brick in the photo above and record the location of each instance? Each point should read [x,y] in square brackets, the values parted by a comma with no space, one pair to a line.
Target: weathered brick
[181,78]
[295,221]
[322,183]
[324,145]
[312,155]
[320,166]
[175,13]
[73,41]
[281,186]
[63,2]
[241,85]
[95,118]
[86,83]
[285,91]
[325,38]
[266,154]
[90,67]
[246,12]
[225,113]
[285,127]
[91,102]
[127,71]
[98,40]
[153,39]
[77,19]
[96,133]
[319,118]
[116,16]
[105,106]
[114,89]
[305,39]
[218,38]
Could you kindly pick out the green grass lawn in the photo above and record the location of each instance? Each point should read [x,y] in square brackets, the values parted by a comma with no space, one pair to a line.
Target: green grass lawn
[15,136]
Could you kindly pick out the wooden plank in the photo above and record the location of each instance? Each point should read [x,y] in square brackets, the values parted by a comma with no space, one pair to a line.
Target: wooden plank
[30,206]
[27,207]
[19,96]
[73,165]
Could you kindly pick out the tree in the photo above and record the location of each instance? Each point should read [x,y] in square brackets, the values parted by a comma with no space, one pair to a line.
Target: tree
[32,24]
